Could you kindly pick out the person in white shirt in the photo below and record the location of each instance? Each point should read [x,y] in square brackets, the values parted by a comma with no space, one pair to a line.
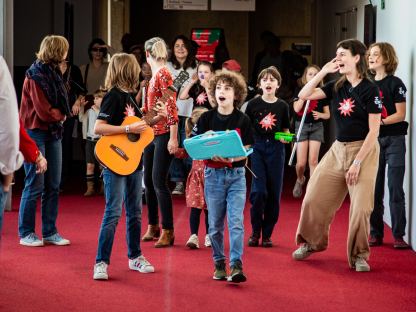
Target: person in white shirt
[182,59]
[10,157]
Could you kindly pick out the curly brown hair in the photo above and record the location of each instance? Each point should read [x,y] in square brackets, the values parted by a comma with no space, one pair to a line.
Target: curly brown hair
[233,79]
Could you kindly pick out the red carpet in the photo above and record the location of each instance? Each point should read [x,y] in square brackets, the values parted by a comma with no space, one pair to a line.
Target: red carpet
[60,278]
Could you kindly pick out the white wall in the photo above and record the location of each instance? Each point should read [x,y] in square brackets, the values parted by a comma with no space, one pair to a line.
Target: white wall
[395,24]
[6,27]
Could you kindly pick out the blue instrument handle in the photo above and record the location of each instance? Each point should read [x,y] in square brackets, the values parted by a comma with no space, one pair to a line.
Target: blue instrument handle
[208,134]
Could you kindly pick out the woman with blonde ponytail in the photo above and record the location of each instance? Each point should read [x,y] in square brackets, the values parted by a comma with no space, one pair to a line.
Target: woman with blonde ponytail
[158,155]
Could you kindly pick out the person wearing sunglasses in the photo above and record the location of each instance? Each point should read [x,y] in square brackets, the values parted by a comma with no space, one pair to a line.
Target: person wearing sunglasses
[93,73]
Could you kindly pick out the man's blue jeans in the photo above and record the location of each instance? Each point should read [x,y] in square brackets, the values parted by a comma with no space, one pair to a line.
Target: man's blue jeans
[3,197]
[225,194]
[45,185]
[119,189]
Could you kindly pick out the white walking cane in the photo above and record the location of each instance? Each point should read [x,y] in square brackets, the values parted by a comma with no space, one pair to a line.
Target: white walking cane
[305,111]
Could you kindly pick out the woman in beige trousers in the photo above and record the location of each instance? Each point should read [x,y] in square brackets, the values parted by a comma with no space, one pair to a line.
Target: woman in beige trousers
[350,166]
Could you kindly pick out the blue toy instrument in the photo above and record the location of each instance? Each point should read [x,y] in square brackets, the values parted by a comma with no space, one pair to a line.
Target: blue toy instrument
[226,144]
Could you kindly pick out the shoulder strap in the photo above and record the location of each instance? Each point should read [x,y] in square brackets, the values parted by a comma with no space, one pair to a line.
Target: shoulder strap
[86,74]
[133,101]
[357,99]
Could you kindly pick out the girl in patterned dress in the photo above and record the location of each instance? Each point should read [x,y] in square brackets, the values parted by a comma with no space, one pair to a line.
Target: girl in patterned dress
[195,187]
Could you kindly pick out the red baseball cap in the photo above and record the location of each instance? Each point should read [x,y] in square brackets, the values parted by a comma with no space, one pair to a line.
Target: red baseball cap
[232,65]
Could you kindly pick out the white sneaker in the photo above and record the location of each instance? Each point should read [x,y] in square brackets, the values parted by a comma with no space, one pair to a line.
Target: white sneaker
[298,189]
[100,271]
[303,252]
[141,264]
[193,242]
[207,241]
[361,265]
[56,239]
[179,189]
[31,240]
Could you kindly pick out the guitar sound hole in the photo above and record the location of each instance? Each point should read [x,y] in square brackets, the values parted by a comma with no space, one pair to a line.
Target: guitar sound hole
[133,137]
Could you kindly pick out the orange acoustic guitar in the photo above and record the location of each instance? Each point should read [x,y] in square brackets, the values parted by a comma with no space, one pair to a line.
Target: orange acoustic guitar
[121,153]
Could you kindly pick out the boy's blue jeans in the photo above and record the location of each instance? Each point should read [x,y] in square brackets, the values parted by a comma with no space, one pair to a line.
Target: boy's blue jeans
[225,194]
[119,189]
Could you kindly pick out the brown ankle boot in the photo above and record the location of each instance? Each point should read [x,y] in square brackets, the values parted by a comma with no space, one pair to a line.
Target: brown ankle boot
[153,231]
[166,239]
[90,189]
[101,191]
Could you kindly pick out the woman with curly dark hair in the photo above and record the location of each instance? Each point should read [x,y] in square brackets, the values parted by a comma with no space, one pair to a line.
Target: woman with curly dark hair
[182,58]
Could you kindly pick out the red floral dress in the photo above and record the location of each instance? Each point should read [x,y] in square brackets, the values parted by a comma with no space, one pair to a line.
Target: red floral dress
[195,186]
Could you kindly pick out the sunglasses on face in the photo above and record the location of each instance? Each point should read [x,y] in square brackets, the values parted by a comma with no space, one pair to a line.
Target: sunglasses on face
[102,50]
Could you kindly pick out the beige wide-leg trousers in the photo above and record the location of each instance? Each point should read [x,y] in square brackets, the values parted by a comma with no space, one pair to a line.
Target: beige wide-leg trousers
[325,193]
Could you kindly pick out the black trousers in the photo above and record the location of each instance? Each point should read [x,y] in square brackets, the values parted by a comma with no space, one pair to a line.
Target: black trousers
[194,220]
[392,154]
[267,163]
[157,161]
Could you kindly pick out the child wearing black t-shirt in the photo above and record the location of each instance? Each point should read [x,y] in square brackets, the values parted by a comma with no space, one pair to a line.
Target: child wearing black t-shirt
[312,132]
[197,89]
[225,182]
[121,81]
[268,115]
[350,166]
[383,62]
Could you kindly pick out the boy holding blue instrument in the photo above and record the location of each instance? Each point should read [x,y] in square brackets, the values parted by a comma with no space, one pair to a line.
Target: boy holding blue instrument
[268,115]
[225,182]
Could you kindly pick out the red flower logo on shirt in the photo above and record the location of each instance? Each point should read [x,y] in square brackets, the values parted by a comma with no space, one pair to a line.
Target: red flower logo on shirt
[346,107]
[201,98]
[268,122]
[129,110]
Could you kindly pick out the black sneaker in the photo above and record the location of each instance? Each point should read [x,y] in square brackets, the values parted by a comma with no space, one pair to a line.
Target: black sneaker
[237,275]
[253,241]
[267,242]
[220,273]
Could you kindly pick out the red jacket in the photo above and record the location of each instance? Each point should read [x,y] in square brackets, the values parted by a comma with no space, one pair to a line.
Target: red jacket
[35,110]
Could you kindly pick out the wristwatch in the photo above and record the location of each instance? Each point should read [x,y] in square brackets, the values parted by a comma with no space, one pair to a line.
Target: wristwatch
[127,129]
[356,162]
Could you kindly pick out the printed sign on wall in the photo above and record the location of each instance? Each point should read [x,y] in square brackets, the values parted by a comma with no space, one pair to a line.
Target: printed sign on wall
[233,5]
[207,39]
[185,5]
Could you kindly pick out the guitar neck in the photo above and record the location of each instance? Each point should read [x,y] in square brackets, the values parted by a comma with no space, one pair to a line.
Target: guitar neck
[149,118]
